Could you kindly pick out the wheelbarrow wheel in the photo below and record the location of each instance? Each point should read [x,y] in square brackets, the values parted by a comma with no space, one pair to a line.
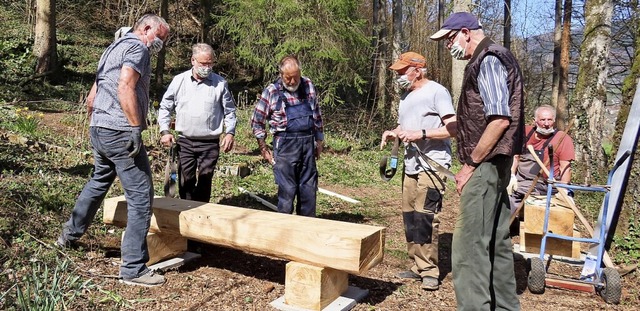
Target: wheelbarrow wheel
[612,287]
[537,274]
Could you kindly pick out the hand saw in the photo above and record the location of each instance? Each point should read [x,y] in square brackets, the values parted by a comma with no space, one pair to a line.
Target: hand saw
[435,165]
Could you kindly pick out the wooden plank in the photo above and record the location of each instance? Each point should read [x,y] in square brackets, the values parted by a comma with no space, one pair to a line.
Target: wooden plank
[174,262]
[561,219]
[312,287]
[350,247]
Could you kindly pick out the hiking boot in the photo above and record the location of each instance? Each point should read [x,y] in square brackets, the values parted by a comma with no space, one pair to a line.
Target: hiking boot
[430,283]
[148,279]
[409,275]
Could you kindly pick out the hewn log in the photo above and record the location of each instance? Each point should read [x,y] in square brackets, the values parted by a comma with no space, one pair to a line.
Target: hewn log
[353,248]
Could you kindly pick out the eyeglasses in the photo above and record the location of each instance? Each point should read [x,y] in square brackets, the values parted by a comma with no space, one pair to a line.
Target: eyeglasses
[452,37]
[205,63]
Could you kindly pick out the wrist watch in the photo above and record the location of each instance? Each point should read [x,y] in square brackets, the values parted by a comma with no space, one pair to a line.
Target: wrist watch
[471,163]
[424,134]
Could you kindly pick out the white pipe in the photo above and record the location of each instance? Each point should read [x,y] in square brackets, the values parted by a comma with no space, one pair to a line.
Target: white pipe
[327,192]
[263,201]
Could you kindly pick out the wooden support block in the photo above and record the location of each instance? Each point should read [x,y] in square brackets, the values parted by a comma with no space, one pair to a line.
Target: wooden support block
[561,219]
[350,247]
[163,246]
[530,243]
[312,287]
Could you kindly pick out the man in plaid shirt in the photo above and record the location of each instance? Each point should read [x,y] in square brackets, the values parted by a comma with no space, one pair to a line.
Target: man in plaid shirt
[290,107]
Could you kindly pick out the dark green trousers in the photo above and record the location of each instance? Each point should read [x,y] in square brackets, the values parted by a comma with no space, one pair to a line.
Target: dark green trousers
[482,258]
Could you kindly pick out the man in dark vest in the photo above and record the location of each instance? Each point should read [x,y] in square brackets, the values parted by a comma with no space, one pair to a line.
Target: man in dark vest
[290,107]
[490,132]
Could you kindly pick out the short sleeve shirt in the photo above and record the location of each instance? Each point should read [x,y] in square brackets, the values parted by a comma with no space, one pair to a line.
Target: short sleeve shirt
[424,108]
[107,112]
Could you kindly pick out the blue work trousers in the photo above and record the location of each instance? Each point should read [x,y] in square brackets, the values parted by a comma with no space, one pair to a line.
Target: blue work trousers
[295,172]
[111,159]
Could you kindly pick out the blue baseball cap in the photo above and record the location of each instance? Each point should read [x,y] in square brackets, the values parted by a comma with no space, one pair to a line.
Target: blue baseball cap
[457,21]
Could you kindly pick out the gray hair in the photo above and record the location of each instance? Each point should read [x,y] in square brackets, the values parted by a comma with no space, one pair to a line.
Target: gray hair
[201,48]
[289,61]
[545,107]
[152,20]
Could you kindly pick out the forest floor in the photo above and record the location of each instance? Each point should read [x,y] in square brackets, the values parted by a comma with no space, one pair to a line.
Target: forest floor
[229,279]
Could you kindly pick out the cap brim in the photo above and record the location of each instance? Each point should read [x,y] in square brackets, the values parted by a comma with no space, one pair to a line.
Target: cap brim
[399,65]
[440,34]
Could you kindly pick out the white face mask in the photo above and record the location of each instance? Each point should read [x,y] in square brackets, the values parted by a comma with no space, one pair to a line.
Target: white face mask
[291,88]
[155,46]
[203,71]
[457,51]
[404,82]
[544,131]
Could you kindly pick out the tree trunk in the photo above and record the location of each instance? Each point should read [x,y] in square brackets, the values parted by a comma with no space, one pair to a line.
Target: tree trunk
[557,38]
[506,33]
[631,210]
[396,51]
[587,106]
[380,58]
[44,41]
[164,13]
[563,74]
[457,66]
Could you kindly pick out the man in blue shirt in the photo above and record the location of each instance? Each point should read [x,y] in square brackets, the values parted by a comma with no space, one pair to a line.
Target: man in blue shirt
[117,105]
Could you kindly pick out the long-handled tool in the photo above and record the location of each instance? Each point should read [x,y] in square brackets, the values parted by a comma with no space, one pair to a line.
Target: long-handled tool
[171,172]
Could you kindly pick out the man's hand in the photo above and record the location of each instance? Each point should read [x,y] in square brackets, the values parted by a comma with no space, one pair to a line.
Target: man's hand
[513,184]
[265,152]
[463,177]
[135,141]
[167,140]
[227,142]
[387,135]
[409,136]
[319,148]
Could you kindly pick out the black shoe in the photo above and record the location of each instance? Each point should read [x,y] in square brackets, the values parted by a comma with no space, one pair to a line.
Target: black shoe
[430,283]
[65,244]
[409,275]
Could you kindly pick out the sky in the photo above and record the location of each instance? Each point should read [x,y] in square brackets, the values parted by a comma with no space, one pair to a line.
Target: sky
[532,17]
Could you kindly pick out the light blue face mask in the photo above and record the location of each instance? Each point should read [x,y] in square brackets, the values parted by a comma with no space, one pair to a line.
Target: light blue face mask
[155,46]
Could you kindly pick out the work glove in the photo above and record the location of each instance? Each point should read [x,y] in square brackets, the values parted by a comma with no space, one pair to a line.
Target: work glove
[513,184]
[135,141]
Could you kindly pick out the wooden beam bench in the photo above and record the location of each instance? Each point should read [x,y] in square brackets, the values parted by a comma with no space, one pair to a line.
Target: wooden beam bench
[323,252]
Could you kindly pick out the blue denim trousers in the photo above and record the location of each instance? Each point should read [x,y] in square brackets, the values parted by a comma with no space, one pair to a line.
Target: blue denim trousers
[111,159]
[295,172]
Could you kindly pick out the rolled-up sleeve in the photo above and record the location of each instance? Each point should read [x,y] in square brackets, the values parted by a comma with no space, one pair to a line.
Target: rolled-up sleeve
[260,113]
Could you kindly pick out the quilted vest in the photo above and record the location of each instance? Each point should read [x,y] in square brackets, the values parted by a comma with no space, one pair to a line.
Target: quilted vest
[470,114]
